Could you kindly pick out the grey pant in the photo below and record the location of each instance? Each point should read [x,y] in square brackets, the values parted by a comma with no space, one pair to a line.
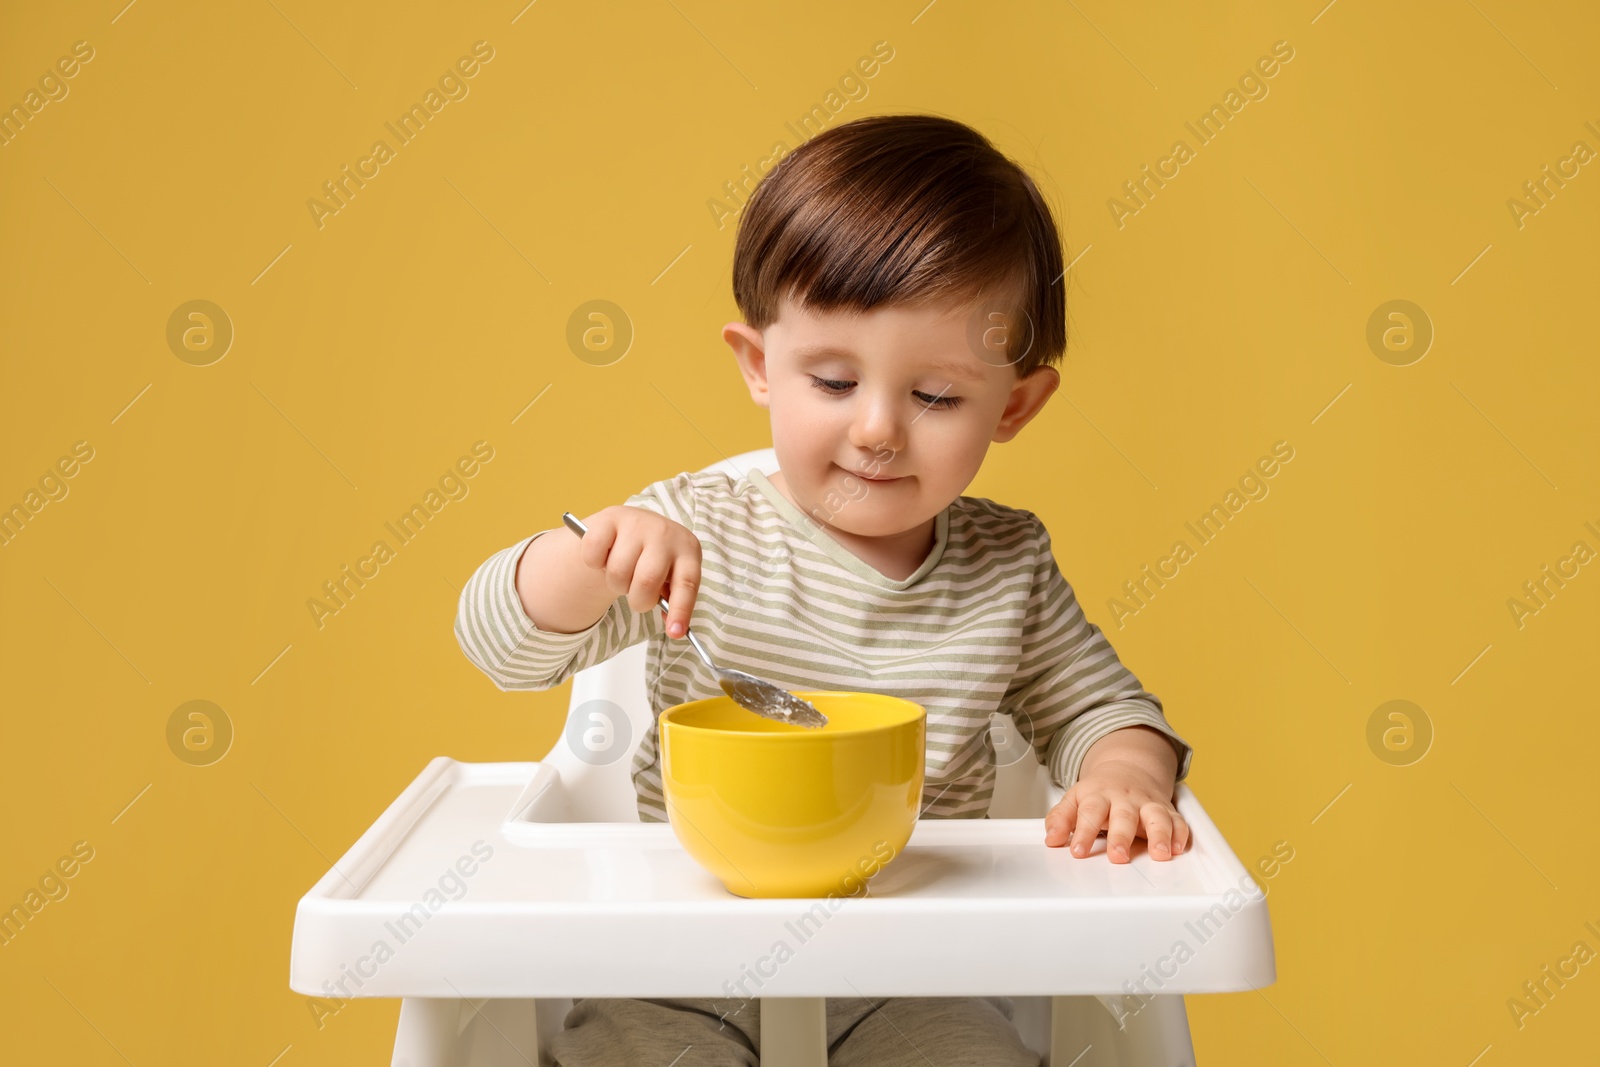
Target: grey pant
[862,1032]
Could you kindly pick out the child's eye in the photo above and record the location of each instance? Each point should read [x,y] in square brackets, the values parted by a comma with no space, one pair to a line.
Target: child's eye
[837,388]
[940,401]
[828,386]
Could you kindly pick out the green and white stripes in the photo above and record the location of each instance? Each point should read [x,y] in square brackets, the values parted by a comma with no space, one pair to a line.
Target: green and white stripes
[986,624]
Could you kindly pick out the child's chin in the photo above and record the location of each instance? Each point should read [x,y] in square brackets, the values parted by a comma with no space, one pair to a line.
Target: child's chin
[888,525]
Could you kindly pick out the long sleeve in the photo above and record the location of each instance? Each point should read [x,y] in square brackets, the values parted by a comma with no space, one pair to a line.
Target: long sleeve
[1070,689]
[499,639]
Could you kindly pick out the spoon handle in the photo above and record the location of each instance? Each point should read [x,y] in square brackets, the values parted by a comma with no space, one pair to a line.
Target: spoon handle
[576,525]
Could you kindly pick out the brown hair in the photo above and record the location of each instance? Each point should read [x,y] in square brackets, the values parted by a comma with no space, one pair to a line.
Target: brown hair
[902,209]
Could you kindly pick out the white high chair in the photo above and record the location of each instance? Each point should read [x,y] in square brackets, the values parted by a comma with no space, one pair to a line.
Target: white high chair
[581,899]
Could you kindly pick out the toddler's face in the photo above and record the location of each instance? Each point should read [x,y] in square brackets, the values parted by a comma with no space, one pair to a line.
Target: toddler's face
[880,420]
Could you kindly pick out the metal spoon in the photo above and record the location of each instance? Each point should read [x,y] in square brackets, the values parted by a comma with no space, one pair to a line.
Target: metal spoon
[748,691]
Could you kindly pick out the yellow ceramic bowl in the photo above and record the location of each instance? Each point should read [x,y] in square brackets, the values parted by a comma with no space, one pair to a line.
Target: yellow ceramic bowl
[776,810]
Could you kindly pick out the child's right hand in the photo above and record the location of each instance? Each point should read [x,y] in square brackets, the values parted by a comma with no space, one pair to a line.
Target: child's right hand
[646,556]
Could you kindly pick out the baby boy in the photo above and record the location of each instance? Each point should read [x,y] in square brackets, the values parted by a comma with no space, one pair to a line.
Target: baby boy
[902,289]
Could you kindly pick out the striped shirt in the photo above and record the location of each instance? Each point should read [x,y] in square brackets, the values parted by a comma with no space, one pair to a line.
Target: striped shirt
[987,623]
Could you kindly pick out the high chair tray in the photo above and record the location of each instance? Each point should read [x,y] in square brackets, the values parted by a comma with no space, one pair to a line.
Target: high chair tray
[456,892]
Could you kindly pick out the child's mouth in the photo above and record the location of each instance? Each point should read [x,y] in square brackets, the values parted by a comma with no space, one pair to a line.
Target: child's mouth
[869,478]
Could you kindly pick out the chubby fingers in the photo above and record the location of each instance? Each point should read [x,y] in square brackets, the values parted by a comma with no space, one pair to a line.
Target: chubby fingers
[685,588]
[1164,829]
[1180,831]
[1059,822]
[1158,830]
[1092,811]
[1119,838]
[645,574]
[1078,819]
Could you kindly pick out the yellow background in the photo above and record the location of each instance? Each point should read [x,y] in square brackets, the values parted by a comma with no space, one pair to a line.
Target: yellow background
[1228,314]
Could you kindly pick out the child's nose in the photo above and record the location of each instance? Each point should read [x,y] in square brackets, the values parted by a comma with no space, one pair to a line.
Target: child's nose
[878,426]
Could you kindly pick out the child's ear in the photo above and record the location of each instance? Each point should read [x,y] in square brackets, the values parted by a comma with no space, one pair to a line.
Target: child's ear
[1027,399]
[749,349]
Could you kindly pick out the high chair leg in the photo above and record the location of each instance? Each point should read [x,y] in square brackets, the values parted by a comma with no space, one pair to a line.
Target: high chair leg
[428,1032]
[1084,1033]
[794,1032]
[500,1033]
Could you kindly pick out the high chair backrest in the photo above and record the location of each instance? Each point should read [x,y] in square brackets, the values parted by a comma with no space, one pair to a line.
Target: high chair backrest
[609,703]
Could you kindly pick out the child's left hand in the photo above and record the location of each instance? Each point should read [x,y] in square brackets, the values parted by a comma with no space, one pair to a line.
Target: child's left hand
[1129,792]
